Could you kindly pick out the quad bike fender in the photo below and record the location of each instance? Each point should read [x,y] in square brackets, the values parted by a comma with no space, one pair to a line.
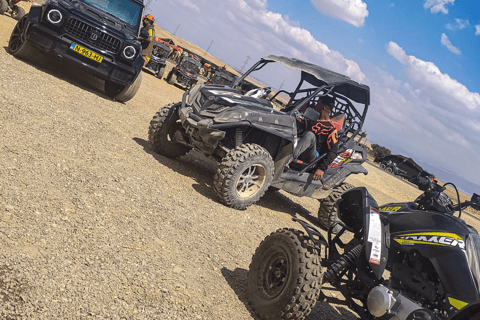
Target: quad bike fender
[317,238]
[359,210]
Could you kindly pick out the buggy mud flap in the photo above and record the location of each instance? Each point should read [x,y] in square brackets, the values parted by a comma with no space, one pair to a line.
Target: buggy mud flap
[304,185]
[335,176]
[301,185]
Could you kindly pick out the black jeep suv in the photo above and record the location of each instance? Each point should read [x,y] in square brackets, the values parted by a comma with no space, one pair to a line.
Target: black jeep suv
[99,35]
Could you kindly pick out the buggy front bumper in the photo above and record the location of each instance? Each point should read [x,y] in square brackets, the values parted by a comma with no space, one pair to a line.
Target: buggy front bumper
[200,130]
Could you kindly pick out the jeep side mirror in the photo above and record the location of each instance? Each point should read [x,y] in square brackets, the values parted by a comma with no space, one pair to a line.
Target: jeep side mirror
[312,114]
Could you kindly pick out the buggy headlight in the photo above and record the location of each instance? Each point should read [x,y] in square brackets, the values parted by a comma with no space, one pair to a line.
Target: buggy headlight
[129,52]
[54,16]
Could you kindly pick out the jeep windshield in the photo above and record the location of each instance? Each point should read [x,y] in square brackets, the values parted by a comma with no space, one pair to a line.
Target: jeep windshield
[190,66]
[126,10]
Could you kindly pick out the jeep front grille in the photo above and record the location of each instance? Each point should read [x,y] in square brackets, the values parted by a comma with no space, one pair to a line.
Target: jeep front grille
[82,31]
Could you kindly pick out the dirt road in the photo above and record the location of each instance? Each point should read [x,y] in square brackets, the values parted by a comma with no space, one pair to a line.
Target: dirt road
[94,225]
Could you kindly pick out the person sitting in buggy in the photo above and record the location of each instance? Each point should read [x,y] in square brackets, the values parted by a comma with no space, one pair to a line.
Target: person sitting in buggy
[320,137]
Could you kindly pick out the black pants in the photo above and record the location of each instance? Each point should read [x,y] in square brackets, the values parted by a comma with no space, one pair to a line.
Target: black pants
[306,149]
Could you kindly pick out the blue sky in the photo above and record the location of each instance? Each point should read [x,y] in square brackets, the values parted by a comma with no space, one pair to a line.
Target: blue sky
[420,59]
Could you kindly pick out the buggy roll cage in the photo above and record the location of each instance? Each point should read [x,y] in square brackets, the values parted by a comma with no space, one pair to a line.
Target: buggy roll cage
[326,82]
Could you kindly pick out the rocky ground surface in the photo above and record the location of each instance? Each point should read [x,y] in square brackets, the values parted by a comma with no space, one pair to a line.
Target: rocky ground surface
[94,225]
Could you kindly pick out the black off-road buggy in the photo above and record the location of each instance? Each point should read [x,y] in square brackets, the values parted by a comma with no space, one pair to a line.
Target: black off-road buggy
[253,143]
[185,72]
[158,60]
[99,36]
[221,78]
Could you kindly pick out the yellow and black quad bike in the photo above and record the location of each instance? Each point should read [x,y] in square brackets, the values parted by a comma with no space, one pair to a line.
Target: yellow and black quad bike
[432,257]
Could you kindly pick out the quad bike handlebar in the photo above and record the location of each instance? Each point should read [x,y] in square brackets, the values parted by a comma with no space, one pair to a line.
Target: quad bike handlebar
[434,198]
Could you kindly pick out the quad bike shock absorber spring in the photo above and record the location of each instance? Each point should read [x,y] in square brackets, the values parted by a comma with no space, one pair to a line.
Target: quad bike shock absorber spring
[345,261]
[238,137]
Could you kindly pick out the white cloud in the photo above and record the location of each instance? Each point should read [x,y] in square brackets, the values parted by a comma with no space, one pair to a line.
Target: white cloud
[445,92]
[477,30]
[458,25]
[446,42]
[351,11]
[437,6]
[415,120]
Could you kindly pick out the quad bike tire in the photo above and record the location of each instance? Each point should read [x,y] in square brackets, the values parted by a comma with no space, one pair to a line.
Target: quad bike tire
[243,175]
[3,6]
[161,132]
[172,78]
[383,166]
[389,170]
[18,46]
[328,210]
[285,277]
[160,73]
[125,94]
[18,13]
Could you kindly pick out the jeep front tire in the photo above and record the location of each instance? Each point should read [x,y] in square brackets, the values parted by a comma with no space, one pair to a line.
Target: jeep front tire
[243,175]
[124,94]
[18,46]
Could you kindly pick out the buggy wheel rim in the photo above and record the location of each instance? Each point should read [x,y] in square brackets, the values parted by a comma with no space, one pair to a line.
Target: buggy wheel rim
[251,181]
[275,275]
[17,38]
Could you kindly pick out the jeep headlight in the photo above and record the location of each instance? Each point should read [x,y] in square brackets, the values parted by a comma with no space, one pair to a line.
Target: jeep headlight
[54,16]
[129,52]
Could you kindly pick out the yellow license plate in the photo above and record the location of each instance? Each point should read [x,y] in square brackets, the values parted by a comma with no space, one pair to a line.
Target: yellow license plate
[85,52]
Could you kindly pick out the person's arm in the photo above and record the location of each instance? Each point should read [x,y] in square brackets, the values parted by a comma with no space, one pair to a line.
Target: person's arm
[151,34]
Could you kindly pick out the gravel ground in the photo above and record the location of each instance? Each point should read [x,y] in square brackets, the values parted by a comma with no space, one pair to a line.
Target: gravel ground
[94,225]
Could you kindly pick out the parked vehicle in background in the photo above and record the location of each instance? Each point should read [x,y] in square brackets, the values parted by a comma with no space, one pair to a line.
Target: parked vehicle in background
[10,6]
[221,78]
[158,60]
[392,168]
[99,36]
[185,72]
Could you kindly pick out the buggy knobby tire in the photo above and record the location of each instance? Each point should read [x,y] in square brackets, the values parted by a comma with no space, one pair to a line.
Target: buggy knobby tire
[328,211]
[383,166]
[389,170]
[3,6]
[243,175]
[285,277]
[126,93]
[18,13]
[162,130]
[160,73]
[18,46]
[172,78]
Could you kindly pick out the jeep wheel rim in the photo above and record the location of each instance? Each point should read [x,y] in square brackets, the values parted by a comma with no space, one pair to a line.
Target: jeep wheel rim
[251,181]
[17,38]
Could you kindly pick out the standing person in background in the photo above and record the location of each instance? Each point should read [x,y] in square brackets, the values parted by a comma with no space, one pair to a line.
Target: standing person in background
[148,33]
